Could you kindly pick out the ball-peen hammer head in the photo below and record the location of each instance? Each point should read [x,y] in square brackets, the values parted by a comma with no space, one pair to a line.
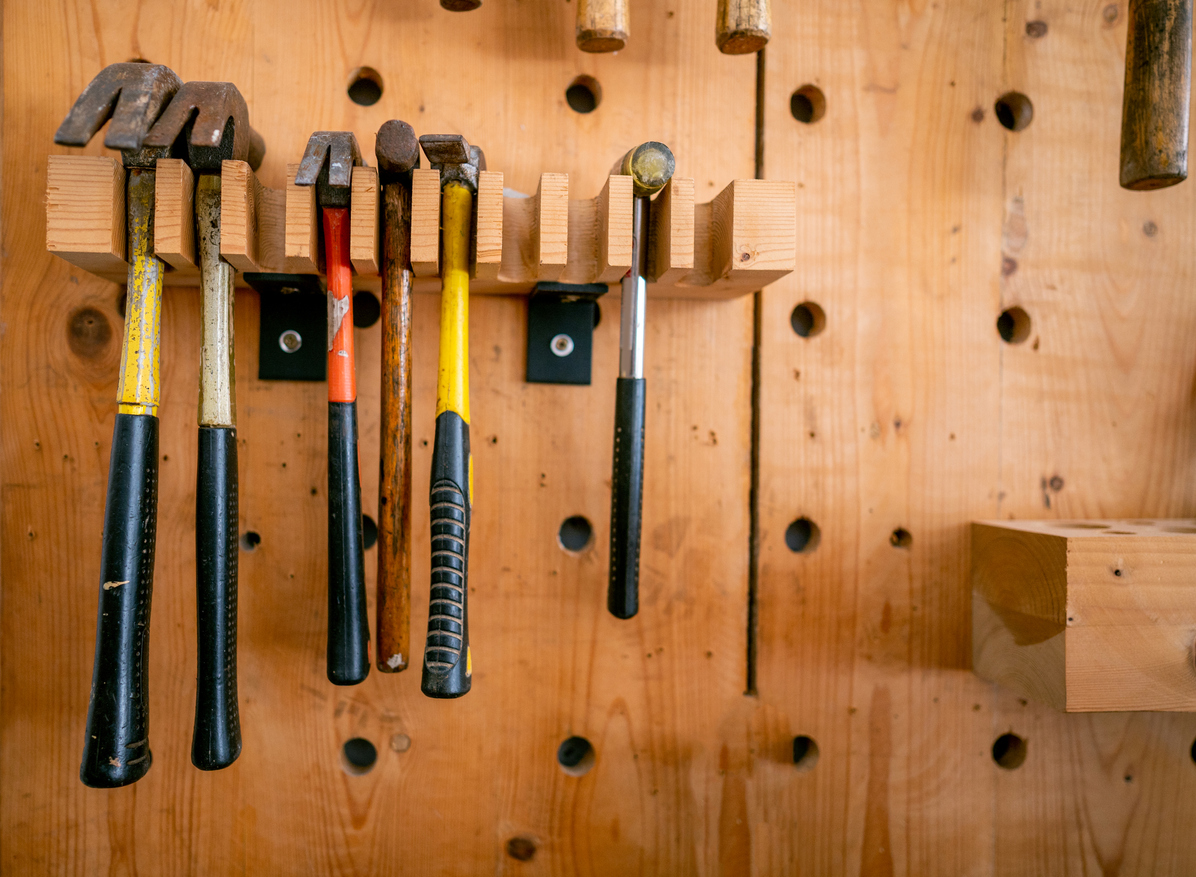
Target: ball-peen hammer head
[397,150]
[457,161]
[214,122]
[133,96]
[328,164]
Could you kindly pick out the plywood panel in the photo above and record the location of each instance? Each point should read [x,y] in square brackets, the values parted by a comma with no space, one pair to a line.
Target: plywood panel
[652,694]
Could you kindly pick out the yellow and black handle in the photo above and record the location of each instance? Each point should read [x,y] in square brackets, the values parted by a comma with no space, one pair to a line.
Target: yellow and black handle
[116,748]
[447,664]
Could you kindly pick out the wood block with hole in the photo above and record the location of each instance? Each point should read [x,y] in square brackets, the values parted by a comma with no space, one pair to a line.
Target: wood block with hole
[1087,616]
[238,215]
[301,248]
[174,215]
[85,213]
[365,222]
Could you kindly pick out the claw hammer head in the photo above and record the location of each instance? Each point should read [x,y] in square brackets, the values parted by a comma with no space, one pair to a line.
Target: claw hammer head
[133,96]
[328,164]
[457,161]
[214,122]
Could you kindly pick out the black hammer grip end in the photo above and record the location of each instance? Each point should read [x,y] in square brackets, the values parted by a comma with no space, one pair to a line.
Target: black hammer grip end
[216,742]
[116,749]
[627,494]
[447,665]
[348,625]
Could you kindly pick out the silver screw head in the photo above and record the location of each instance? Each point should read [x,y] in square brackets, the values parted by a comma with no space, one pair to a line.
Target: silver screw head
[561,345]
[290,341]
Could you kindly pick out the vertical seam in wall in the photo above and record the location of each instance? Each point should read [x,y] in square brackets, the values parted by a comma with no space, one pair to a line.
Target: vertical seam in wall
[754,483]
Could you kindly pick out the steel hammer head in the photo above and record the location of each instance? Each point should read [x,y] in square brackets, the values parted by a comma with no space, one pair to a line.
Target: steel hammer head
[218,120]
[396,149]
[328,164]
[133,95]
[457,161]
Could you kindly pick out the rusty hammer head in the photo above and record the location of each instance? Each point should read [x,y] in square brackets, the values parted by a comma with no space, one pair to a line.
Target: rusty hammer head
[328,164]
[133,95]
[457,161]
[215,115]
[397,151]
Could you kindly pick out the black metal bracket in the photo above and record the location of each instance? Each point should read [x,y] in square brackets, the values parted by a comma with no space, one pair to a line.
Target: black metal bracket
[293,327]
[560,332]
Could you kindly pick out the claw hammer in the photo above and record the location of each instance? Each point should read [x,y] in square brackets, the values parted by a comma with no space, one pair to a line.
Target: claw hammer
[212,122]
[328,165]
[116,748]
[448,666]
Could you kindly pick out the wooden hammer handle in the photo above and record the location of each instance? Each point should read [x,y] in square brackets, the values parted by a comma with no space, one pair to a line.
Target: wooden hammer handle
[394,482]
[602,25]
[743,26]
[1158,86]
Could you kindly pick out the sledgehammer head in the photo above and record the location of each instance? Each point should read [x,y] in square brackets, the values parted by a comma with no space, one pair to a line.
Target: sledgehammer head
[219,126]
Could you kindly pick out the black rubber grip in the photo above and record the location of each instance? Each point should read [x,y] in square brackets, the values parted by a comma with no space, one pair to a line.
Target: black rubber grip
[116,750]
[627,497]
[447,671]
[348,624]
[216,742]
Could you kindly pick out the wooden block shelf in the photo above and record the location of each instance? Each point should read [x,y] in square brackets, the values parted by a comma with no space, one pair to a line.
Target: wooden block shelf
[1087,616]
[734,245]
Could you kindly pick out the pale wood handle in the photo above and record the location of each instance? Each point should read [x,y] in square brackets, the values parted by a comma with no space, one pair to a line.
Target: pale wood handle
[744,26]
[602,25]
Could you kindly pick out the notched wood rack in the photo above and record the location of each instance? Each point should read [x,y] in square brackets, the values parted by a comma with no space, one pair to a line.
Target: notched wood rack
[741,241]
[1087,616]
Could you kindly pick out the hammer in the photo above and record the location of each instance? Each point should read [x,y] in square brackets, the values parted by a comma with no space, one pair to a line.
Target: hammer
[397,151]
[448,667]
[742,26]
[602,25]
[116,748]
[215,115]
[1158,86]
[650,166]
[328,165]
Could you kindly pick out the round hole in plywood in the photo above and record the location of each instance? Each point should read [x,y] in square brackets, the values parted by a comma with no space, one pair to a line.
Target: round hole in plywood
[369,532]
[802,536]
[584,94]
[1009,751]
[575,534]
[808,319]
[901,538]
[358,756]
[366,309]
[575,755]
[1014,325]
[805,752]
[250,540]
[1014,111]
[808,104]
[365,86]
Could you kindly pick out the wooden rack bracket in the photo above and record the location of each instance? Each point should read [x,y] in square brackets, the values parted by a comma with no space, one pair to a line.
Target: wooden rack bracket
[1087,616]
[85,212]
[741,241]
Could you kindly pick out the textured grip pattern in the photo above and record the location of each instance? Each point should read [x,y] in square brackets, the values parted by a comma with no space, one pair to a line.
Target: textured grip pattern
[217,739]
[447,667]
[348,626]
[622,598]
[116,748]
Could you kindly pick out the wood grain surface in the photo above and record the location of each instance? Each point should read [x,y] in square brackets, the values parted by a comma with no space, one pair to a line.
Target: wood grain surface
[919,219]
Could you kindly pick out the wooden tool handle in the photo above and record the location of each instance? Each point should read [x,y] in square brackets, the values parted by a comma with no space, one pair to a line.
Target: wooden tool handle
[394,482]
[602,25]
[627,482]
[743,26]
[216,742]
[1158,85]
[116,749]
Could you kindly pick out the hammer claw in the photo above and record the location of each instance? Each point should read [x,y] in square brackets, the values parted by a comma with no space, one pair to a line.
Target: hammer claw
[328,162]
[132,95]
[219,120]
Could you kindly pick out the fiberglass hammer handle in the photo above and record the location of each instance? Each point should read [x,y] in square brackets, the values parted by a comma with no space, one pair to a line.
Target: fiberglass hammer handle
[348,626]
[447,665]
